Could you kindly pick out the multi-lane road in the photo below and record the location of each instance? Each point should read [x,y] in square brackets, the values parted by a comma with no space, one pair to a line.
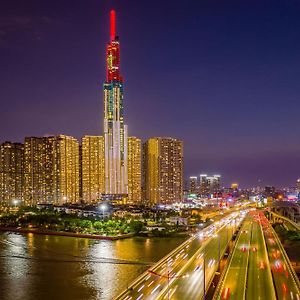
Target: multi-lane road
[258,268]
[180,275]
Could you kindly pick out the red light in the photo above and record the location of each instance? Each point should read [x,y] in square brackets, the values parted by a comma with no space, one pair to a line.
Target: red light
[226,293]
[284,287]
[112,25]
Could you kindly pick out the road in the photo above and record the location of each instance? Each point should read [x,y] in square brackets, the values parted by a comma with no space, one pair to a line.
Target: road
[259,277]
[234,282]
[184,265]
[284,277]
[258,268]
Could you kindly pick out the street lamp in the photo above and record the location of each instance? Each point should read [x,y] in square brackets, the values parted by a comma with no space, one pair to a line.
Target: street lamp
[204,276]
[103,208]
[15,202]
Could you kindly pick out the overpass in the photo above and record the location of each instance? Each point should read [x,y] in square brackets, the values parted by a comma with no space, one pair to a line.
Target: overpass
[275,217]
[288,209]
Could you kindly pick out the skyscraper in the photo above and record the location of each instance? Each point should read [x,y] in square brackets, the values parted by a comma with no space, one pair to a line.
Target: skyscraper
[11,172]
[193,185]
[115,132]
[92,168]
[209,184]
[134,170]
[163,170]
[39,170]
[51,170]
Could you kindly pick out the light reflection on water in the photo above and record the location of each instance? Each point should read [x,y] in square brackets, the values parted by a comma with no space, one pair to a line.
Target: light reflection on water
[34,267]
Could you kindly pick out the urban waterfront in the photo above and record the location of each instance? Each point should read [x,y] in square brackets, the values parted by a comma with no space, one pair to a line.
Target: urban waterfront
[54,267]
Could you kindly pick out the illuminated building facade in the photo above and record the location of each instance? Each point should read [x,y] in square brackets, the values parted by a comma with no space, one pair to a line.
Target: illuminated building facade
[51,170]
[67,153]
[39,170]
[11,172]
[92,168]
[209,184]
[163,170]
[134,170]
[115,132]
[193,185]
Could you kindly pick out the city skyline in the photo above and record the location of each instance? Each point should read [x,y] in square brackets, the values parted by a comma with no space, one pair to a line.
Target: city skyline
[241,140]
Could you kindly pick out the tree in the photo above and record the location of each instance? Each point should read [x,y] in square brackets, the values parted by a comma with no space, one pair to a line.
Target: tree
[136,226]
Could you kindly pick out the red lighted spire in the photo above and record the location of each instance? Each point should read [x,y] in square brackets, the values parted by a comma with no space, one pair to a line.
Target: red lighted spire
[112,25]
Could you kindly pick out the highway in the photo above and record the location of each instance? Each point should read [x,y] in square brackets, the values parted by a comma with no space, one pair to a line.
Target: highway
[234,282]
[259,278]
[258,268]
[285,280]
[184,266]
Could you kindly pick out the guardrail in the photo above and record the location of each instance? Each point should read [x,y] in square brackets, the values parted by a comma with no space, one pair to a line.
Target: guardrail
[159,263]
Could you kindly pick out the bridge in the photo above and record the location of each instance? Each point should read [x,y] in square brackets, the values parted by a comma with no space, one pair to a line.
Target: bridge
[288,209]
[196,261]
[257,268]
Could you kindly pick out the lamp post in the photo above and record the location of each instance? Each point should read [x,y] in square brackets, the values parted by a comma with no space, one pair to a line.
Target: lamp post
[204,276]
[103,208]
[219,248]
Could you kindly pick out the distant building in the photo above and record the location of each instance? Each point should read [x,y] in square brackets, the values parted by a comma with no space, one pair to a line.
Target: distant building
[269,191]
[92,168]
[193,185]
[11,172]
[163,170]
[134,170]
[234,186]
[209,184]
[51,170]
[298,184]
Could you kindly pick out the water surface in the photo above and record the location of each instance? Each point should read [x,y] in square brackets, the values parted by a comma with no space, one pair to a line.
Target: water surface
[41,267]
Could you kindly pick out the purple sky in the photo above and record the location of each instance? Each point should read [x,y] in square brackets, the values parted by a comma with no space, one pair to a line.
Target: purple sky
[224,76]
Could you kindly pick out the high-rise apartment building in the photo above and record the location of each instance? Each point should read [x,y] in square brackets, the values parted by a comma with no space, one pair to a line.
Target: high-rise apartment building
[39,170]
[134,170]
[115,131]
[209,184]
[68,169]
[92,168]
[193,185]
[163,170]
[11,172]
[51,170]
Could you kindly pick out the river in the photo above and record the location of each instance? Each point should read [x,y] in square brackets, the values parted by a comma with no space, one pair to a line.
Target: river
[41,267]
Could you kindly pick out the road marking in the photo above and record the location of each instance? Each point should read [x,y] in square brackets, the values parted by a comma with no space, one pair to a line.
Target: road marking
[150,283]
[141,288]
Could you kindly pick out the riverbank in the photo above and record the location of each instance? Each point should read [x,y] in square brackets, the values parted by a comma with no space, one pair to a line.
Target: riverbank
[70,234]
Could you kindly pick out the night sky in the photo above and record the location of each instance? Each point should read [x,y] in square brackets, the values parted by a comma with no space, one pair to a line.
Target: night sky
[223,76]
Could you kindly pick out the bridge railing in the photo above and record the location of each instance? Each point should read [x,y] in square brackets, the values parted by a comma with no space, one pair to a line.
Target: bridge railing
[286,219]
[159,263]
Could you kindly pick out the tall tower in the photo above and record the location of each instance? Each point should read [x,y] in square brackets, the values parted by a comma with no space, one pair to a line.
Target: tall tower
[115,132]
